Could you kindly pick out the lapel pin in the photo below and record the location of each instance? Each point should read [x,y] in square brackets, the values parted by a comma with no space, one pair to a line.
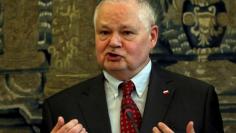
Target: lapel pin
[165,92]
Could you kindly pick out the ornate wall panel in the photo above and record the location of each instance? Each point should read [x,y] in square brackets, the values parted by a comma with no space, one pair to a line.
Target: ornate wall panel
[198,39]
[22,66]
[46,46]
[72,50]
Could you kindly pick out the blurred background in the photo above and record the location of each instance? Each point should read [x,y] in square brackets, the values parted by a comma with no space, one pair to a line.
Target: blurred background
[48,45]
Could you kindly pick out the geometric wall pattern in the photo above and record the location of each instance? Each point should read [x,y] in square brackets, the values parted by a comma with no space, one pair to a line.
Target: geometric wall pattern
[48,45]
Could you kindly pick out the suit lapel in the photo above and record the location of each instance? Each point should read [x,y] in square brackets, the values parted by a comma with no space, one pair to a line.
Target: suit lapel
[94,107]
[158,99]
[94,104]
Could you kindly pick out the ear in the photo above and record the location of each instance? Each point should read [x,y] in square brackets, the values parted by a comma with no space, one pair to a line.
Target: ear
[154,32]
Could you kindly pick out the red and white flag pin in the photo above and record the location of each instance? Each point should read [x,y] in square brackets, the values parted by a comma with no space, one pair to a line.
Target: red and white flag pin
[165,92]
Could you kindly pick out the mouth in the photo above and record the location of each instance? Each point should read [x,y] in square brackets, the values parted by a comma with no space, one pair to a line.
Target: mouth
[113,57]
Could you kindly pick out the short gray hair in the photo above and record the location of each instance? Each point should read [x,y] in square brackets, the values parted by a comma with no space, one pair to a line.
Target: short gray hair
[146,11]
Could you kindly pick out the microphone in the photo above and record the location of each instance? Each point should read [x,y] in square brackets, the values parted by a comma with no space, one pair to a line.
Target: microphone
[129,114]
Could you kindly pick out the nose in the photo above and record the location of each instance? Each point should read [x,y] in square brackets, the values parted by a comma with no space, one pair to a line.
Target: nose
[115,41]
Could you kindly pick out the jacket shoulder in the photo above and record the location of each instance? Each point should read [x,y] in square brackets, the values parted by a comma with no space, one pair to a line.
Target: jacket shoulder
[182,81]
[77,89]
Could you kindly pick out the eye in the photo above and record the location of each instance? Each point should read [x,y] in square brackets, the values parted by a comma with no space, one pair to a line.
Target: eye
[104,32]
[127,33]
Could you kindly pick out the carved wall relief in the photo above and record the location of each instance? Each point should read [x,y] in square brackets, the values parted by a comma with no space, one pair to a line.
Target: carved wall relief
[202,30]
[72,50]
[23,63]
[198,39]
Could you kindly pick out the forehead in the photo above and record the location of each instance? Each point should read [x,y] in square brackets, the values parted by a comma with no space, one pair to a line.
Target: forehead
[118,12]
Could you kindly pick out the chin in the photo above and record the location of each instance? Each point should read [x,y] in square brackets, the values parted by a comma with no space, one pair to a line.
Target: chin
[114,67]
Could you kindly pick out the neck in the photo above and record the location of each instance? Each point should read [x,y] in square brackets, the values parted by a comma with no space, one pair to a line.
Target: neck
[125,75]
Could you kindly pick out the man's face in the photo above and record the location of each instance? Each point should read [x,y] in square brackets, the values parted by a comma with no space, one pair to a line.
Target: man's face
[123,42]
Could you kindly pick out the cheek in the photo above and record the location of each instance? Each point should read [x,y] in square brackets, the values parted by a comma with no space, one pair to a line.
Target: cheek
[133,52]
[100,50]
[100,47]
[138,48]
[99,55]
[139,51]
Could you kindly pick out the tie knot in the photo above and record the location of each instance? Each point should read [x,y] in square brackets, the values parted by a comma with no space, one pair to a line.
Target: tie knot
[127,87]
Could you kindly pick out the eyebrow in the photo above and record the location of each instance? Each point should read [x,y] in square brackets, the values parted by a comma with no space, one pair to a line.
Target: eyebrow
[122,26]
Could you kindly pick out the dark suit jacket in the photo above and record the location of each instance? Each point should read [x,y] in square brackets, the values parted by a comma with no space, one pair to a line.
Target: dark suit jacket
[188,99]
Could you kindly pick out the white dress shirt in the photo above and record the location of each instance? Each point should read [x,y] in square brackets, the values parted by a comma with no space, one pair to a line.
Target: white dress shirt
[114,96]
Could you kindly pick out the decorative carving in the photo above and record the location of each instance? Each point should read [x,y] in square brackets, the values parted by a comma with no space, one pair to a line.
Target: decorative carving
[62,60]
[205,25]
[72,51]
[20,36]
[203,3]
[45,24]
[194,32]
[65,48]
[25,84]
[207,33]
[22,65]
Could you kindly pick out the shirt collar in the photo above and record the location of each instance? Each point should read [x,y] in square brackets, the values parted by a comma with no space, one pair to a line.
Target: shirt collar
[140,80]
[112,83]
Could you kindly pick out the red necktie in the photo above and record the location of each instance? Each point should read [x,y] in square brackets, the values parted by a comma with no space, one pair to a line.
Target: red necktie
[130,117]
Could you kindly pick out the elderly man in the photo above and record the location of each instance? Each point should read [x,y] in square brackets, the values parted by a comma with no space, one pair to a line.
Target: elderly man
[131,95]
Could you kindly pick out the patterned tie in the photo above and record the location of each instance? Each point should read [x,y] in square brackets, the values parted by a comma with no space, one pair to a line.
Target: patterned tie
[130,117]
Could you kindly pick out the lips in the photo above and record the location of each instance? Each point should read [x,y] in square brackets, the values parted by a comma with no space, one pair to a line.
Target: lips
[113,57]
